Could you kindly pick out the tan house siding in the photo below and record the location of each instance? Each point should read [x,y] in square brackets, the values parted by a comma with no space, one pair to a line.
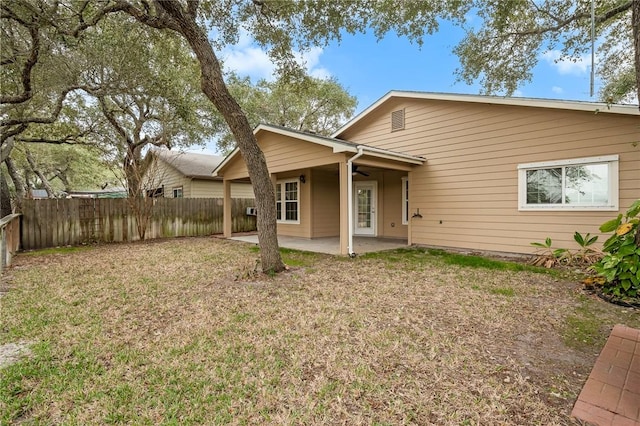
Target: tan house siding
[282,152]
[325,203]
[240,190]
[170,178]
[201,188]
[391,206]
[467,191]
[206,189]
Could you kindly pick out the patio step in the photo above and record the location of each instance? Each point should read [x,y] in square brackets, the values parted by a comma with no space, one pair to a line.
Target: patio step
[611,395]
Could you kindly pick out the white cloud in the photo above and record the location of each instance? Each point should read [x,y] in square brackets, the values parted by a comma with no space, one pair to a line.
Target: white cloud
[246,59]
[567,66]
[558,90]
[249,61]
[311,59]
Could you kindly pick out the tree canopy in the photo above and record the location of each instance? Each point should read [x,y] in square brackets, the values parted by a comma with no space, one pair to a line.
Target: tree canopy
[503,49]
[140,88]
[307,104]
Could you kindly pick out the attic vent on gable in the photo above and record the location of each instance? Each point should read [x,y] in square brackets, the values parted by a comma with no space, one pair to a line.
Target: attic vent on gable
[397,120]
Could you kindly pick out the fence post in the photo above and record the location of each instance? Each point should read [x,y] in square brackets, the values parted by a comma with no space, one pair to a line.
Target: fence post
[9,239]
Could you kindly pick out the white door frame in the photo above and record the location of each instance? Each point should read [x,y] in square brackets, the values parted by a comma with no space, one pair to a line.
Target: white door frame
[373,230]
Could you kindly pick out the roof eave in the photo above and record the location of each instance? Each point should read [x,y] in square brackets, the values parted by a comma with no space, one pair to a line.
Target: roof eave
[396,156]
[337,146]
[223,163]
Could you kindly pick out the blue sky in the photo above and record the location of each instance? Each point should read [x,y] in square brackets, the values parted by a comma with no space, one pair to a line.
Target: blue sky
[368,69]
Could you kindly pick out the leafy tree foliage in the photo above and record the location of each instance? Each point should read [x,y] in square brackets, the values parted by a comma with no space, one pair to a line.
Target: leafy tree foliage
[307,104]
[36,78]
[36,72]
[502,51]
[110,84]
[142,90]
[62,168]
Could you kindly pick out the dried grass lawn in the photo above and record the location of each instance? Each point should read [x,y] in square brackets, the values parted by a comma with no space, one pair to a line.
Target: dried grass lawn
[182,332]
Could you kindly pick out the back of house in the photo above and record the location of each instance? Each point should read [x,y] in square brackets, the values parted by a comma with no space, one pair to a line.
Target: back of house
[501,173]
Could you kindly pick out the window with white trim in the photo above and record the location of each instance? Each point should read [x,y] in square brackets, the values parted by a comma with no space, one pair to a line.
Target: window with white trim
[578,184]
[405,200]
[177,192]
[287,201]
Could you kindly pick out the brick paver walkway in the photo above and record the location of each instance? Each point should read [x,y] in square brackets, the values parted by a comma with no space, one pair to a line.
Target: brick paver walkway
[611,395]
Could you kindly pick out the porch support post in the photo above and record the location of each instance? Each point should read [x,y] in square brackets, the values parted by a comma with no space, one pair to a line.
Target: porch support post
[344,207]
[409,207]
[350,250]
[227,218]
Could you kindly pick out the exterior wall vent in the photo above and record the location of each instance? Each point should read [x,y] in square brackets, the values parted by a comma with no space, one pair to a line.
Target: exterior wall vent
[397,120]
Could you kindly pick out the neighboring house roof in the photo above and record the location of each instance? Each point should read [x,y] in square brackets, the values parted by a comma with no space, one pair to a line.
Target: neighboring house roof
[599,107]
[111,192]
[337,145]
[39,193]
[190,164]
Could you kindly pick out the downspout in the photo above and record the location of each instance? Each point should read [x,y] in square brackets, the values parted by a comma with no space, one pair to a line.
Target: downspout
[350,198]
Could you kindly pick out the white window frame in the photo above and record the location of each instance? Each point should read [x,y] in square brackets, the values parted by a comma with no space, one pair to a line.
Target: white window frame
[176,189]
[405,200]
[283,201]
[610,160]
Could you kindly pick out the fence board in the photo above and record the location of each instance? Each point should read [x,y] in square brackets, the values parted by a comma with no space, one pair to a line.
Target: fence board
[57,222]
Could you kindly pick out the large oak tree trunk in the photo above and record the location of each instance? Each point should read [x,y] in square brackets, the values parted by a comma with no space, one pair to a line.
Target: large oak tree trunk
[133,173]
[43,179]
[5,197]
[215,89]
[18,183]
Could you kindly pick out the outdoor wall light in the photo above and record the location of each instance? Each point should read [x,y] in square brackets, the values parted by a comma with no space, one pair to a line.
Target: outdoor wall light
[303,179]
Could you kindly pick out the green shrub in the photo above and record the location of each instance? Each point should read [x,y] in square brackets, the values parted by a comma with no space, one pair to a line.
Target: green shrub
[620,267]
[549,257]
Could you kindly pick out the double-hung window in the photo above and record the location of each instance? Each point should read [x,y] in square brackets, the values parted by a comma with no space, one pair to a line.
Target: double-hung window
[578,184]
[288,201]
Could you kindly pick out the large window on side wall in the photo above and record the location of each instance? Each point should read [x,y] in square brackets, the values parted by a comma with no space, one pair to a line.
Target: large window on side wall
[577,184]
[288,201]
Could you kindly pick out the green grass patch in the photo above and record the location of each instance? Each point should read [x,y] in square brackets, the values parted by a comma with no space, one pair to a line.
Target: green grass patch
[503,291]
[419,256]
[583,326]
[292,257]
[122,337]
[57,250]
[473,261]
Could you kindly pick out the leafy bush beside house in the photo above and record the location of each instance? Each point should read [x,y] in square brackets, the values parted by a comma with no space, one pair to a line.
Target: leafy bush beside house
[549,257]
[620,267]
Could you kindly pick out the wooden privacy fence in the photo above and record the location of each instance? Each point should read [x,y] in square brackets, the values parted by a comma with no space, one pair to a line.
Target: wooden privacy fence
[61,222]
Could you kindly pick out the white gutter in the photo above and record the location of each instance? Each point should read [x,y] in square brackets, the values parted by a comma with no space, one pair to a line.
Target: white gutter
[350,198]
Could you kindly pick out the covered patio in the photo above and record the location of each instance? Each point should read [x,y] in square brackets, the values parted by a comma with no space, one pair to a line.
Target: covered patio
[330,245]
[329,192]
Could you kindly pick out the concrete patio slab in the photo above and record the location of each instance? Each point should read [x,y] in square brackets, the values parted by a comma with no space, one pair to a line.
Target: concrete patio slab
[611,395]
[330,245]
